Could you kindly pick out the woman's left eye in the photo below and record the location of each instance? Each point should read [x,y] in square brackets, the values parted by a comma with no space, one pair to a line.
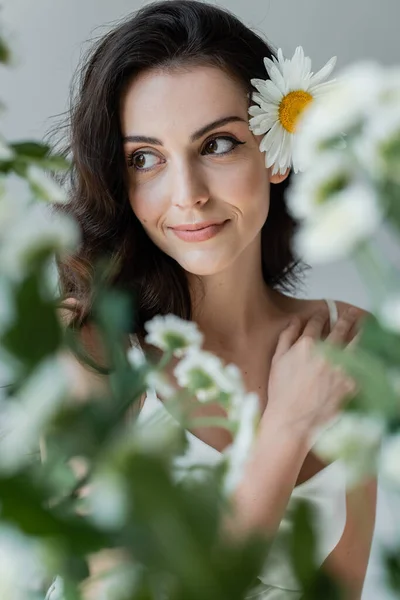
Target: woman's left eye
[221,145]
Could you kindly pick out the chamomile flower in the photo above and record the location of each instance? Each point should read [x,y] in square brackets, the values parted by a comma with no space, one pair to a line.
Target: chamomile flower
[339,225]
[355,440]
[206,376]
[170,333]
[282,99]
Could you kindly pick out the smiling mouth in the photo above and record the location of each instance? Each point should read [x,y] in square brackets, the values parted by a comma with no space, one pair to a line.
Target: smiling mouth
[199,234]
[197,226]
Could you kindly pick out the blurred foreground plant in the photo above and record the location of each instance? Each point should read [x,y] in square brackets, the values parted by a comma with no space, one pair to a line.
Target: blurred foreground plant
[349,143]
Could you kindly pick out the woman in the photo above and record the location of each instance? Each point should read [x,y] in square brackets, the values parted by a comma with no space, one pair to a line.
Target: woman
[161,146]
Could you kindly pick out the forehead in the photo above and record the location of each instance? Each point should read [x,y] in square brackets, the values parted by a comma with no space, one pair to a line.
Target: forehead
[180,99]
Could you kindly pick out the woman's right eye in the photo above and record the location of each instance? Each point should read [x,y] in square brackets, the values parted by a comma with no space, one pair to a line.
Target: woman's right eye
[137,160]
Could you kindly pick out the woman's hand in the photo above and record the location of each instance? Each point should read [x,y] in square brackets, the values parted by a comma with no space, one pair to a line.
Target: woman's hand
[305,391]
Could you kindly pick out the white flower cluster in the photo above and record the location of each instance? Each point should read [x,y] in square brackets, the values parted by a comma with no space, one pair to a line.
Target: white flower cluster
[206,378]
[354,439]
[26,228]
[23,416]
[22,573]
[346,144]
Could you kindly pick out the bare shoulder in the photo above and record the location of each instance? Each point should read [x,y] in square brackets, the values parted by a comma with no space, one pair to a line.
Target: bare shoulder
[305,308]
[343,306]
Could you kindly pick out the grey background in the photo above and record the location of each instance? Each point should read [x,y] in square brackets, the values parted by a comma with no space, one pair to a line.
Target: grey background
[49,36]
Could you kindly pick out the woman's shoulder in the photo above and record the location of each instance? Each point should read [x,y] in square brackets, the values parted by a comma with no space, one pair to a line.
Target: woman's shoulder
[305,307]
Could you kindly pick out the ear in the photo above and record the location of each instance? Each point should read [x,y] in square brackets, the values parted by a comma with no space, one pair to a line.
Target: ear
[277,178]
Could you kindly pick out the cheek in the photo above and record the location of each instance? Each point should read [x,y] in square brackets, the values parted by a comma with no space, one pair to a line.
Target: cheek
[146,206]
[249,189]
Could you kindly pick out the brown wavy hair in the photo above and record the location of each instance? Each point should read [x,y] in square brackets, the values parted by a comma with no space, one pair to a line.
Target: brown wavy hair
[164,34]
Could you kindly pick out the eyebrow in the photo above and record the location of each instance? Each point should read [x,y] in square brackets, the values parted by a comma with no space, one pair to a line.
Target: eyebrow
[195,136]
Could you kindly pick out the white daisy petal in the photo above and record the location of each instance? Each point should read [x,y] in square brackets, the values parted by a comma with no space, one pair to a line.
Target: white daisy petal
[268,90]
[261,127]
[255,110]
[324,72]
[275,75]
[285,150]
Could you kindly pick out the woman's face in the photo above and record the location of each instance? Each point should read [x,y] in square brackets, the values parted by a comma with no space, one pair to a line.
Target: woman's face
[191,159]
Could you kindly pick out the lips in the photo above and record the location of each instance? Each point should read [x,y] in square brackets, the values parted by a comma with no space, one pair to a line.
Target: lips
[199,232]
[196,226]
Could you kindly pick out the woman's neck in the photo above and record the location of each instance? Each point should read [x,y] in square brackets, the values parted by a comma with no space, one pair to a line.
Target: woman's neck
[229,307]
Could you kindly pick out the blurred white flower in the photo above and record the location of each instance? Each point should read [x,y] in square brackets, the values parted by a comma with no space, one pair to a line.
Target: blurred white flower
[311,191]
[171,333]
[6,153]
[160,383]
[389,465]
[34,230]
[389,92]
[136,357]
[389,313]
[56,590]
[44,186]
[21,568]
[355,440]
[23,417]
[206,376]
[11,208]
[377,148]
[339,113]
[340,225]
[108,500]
[237,454]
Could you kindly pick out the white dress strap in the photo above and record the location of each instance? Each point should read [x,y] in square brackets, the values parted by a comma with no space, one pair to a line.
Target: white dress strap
[333,311]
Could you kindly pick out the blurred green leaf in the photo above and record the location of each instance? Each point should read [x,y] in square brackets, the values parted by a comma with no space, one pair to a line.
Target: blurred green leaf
[55,163]
[35,333]
[29,149]
[303,543]
[180,536]
[25,504]
[5,53]
[392,563]
[323,587]
[376,392]
[380,342]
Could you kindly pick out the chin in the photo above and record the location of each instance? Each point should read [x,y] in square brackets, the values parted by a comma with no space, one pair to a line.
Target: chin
[204,265]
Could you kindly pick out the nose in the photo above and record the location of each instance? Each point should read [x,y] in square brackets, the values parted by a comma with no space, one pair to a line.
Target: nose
[189,187]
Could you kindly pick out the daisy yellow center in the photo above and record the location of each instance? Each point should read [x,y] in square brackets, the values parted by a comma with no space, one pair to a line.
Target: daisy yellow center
[291,107]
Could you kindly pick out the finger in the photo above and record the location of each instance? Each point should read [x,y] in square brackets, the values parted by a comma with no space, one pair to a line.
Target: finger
[352,345]
[315,325]
[342,327]
[288,337]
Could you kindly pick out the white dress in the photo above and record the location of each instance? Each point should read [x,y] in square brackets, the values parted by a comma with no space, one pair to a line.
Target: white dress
[326,491]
